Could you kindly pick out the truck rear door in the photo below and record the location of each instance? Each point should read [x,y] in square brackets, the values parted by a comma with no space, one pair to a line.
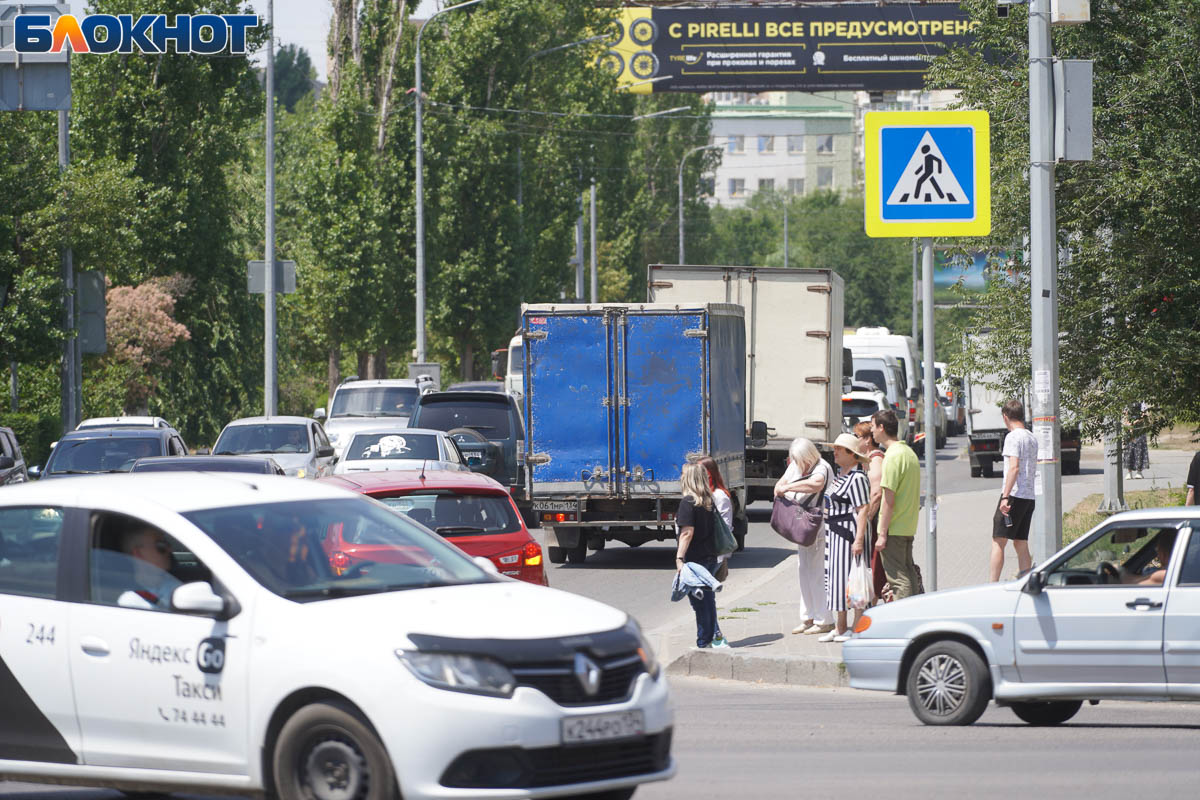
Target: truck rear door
[568,402]
[662,383]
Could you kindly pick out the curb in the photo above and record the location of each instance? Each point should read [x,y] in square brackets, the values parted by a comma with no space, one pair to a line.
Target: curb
[795,670]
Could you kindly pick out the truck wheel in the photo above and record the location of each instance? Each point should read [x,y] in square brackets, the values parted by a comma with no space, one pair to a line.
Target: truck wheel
[976,472]
[326,750]
[578,553]
[740,526]
[1071,467]
[557,555]
[988,472]
[596,541]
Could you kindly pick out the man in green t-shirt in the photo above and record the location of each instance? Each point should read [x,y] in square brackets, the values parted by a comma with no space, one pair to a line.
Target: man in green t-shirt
[898,512]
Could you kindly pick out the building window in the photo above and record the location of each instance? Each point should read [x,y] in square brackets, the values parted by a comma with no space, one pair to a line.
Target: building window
[737,144]
[795,185]
[795,144]
[824,177]
[766,144]
[825,143]
[766,184]
[737,187]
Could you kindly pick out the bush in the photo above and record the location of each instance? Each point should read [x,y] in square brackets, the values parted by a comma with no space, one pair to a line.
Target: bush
[35,433]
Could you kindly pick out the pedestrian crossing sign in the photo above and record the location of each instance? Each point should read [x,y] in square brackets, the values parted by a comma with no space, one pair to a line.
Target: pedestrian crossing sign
[927,173]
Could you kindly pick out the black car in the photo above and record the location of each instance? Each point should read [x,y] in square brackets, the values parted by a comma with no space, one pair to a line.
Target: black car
[262,465]
[488,429]
[12,463]
[97,450]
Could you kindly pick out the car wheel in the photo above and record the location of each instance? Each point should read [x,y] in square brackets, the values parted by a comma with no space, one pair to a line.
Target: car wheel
[327,752]
[986,467]
[976,472]
[578,553]
[557,555]
[948,684]
[1054,712]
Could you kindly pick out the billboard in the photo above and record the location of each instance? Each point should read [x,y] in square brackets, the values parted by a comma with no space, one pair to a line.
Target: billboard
[803,48]
[972,273]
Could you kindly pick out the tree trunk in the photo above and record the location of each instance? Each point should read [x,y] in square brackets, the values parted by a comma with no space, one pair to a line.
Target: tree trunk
[468,360]
[385,92]
[365,368]
[332,368]
[379,364]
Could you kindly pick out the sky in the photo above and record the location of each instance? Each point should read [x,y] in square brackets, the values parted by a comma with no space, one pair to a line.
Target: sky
[306,23]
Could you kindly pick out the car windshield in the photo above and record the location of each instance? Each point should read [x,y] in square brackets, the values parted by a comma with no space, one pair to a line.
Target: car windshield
[317,549]
[110,454]
[453,514]
[489,418]
[371,446]
[516,360]
[264,438]
[374,401]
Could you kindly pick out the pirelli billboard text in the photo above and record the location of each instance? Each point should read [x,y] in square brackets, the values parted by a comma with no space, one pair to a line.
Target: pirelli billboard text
[796,48]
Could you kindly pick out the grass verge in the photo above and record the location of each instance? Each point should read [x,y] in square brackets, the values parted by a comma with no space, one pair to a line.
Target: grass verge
[1083,517]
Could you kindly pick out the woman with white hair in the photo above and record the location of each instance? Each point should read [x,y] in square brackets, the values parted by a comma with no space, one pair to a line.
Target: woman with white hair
[807,476]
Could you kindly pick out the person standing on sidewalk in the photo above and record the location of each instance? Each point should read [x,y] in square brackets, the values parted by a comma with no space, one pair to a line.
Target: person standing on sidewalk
[697,545]
[723,502]
[806,476]
[1137,455]
[875,475]
[1015,509]
[846,516]
[900,505]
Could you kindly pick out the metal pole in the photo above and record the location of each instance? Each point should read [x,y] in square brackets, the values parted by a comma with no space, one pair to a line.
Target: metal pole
[916,291]
[1114,489]
[579,263]
[595,274]
[785,233]
[12,385]
[681,161]
[1046,537]
[70,383]
[270,382]
[930,390]
[420,145]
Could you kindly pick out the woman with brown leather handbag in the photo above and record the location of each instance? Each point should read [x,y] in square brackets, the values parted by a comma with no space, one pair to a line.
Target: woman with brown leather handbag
[804,482]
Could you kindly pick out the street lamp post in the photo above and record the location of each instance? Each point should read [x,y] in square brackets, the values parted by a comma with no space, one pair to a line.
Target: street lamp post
[681,161]
[420,321]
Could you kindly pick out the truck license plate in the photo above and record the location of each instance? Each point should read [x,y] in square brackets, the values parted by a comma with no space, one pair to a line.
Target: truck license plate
[603,727]
[555,505]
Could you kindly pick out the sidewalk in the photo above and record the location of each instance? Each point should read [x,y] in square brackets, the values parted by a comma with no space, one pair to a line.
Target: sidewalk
[757,618]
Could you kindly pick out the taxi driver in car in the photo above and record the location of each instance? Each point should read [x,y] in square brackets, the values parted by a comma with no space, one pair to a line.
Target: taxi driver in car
[151,558]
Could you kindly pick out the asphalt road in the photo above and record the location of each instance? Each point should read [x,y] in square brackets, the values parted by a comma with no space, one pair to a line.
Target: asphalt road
[758,741]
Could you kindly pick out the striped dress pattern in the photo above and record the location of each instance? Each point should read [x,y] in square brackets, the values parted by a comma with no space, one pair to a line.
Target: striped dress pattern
[849,491]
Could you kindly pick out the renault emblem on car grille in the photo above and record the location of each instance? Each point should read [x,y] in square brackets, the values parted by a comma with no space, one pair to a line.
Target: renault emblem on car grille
[588,674]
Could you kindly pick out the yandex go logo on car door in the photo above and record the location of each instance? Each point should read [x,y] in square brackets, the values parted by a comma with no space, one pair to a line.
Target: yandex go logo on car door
[201,34]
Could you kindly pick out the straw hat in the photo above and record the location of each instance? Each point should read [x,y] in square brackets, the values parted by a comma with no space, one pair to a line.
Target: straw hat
[852,443]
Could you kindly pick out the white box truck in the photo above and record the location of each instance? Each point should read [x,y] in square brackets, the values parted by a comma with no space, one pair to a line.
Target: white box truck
[794,371]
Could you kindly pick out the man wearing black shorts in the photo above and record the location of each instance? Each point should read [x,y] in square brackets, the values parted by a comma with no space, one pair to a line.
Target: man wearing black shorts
[1014,512]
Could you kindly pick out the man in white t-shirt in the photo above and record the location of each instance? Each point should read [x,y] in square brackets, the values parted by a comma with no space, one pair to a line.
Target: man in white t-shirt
[1014,512]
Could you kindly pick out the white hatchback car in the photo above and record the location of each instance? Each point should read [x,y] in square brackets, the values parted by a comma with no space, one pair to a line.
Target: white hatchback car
[171,632]
[1116,614]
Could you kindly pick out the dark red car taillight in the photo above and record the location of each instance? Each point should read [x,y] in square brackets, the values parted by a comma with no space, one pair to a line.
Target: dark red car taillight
[339,561]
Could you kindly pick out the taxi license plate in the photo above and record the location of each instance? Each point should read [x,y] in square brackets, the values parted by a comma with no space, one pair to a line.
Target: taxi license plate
[603,727]
[555,505]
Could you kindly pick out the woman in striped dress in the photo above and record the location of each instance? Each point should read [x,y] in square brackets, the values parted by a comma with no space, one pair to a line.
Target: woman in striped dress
[846,520]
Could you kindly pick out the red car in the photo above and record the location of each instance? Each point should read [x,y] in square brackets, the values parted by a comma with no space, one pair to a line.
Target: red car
[471,511]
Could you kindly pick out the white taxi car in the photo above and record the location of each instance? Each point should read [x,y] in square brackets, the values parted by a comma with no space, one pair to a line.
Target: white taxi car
[1113,615]
[166,632]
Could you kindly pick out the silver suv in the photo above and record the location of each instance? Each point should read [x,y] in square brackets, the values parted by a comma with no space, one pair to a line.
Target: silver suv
[361,405]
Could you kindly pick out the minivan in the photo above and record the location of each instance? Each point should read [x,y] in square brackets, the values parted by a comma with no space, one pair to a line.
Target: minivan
[884,371]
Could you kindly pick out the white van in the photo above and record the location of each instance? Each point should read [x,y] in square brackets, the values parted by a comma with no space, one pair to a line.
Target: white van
[881,340]
[884,371]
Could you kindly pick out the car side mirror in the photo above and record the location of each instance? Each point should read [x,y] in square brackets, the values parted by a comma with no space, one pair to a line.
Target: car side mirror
[35,472]
[758,433]
[200,599]
[319,414]
[6,462]
[914,393]
[1036,582]
[324,452]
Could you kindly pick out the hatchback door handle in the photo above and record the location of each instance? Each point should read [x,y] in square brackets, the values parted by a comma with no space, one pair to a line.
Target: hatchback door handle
[94,646]
[1142,602]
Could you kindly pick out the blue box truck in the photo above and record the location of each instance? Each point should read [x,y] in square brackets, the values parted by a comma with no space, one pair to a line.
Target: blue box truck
[618,397]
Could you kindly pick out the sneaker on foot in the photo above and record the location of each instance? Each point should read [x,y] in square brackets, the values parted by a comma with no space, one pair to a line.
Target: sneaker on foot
[817,628]
[803,626]
[828,636]
[1138,475]
[842,637]
[720,643]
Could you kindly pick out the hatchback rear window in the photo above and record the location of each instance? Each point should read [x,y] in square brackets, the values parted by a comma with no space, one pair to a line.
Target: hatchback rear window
[490,419]
[452,514]
[859,407]
[874,376]
[370,446]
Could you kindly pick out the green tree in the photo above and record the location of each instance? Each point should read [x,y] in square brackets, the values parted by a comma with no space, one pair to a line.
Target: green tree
[294,75]
[1128,222]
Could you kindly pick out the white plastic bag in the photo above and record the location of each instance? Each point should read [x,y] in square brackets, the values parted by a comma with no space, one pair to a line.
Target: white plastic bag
[860,586]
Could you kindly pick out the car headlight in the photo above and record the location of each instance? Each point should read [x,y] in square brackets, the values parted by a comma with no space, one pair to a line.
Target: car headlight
[460,673]
[649,659]
[298,472]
